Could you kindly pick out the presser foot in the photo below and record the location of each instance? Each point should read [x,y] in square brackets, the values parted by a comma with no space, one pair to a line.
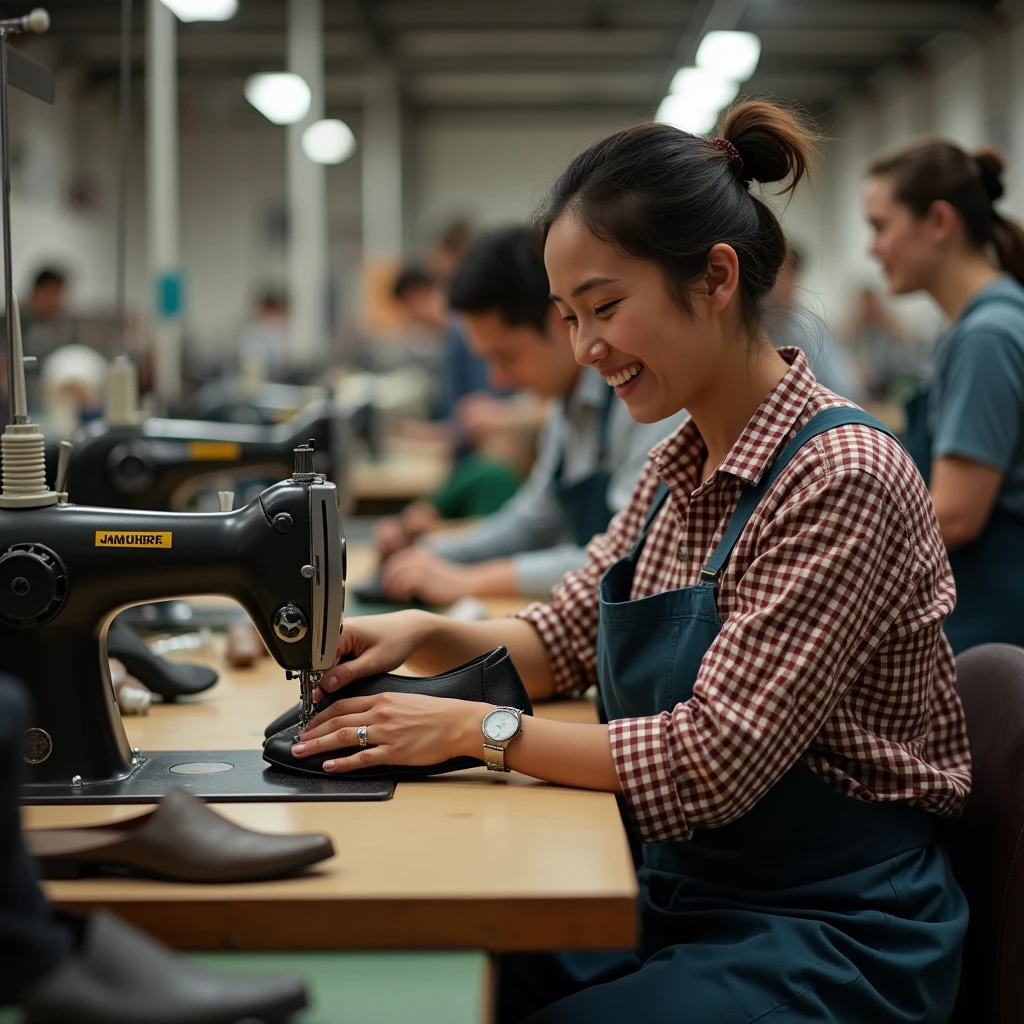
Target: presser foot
[308,680]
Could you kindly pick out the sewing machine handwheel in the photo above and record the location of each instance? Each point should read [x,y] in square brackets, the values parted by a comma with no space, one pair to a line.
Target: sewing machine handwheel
[33,584]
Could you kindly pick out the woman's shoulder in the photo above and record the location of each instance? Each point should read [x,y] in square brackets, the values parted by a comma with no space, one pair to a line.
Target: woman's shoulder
[998,312]
[853,454]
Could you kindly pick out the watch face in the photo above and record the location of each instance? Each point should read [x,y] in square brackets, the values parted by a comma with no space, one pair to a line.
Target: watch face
[500,725]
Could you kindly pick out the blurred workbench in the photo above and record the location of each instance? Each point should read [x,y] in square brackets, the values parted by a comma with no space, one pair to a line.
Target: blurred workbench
[406,471]
[469,860]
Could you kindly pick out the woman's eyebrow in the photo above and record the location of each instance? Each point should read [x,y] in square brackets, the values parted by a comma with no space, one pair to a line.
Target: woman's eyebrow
[591,282]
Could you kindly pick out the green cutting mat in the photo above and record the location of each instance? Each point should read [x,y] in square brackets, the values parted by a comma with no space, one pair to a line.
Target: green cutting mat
[370,988]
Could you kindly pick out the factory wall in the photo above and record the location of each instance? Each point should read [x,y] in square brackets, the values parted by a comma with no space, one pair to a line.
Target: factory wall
[491,166]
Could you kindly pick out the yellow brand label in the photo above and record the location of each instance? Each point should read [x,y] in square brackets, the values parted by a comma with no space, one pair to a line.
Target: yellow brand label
[214,451]
[110,539]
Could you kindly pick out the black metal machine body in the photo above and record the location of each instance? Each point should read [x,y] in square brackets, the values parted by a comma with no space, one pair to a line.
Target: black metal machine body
[66,570]
[163,463]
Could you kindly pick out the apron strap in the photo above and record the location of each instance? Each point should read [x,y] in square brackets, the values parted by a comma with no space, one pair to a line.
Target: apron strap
[656,502]
[752,495]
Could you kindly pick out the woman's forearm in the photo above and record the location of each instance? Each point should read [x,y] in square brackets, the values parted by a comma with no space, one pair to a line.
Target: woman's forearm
[562,752]
[446,643]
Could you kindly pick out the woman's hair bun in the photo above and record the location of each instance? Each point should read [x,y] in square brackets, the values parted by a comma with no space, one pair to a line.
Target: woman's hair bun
[991,166]
[773,143]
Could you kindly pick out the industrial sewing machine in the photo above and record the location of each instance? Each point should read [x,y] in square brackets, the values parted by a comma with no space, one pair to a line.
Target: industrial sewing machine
[125,461]
[66,570]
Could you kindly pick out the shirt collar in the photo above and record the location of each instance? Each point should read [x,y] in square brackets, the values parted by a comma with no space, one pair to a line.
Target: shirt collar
[679,456]
[589,391]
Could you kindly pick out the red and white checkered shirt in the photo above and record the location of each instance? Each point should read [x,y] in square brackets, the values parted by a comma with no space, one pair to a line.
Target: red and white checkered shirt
[832,607]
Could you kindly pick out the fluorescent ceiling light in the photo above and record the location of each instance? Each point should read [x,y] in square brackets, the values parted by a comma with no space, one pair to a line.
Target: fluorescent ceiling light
[328,142]
[704,88]
[681,112]
[203,10]
[730,54]
[281,97]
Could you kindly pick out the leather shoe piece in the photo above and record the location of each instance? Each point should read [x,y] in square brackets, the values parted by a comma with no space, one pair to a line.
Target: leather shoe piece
[183,840]
[372,592]
[491,678]
[121,976]
[168,678]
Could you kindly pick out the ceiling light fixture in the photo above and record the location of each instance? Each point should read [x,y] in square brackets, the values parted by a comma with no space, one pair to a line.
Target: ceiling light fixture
[684,113]
[729,54]
[203,10]
[328,142]
[704,88]
[281,97]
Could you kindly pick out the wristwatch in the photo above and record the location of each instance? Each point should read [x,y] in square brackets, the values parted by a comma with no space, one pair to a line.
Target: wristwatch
[500,727]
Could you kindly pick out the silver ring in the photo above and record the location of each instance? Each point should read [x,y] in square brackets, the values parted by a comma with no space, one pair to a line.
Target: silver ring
[361,736]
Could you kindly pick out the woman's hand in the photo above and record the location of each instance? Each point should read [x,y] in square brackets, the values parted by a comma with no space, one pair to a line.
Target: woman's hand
[401,728]
[418,573]
[390,536]
[375,643]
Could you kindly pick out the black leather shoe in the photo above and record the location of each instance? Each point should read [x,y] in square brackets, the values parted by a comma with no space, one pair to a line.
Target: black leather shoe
[491,678]
[170,679]
[121,976]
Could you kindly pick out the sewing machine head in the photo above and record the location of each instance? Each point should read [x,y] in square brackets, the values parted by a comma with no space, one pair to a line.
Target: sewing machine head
[66,570]
[163,463]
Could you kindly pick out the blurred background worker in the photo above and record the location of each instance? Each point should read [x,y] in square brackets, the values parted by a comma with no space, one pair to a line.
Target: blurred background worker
[470,415]
[931,207]
[45,326]
[590,453]
[44,321]
[264,343]
[890,360]
[797,325]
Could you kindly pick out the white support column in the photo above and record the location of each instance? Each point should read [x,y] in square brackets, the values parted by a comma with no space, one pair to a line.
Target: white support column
[381,148]
[162,196]
[307,189]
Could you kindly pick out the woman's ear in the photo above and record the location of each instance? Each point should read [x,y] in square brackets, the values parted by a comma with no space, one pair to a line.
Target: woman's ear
[723,276]
[942,220]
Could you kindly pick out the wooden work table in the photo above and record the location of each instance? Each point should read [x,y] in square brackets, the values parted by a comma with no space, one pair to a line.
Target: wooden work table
[469,860]
[405,472]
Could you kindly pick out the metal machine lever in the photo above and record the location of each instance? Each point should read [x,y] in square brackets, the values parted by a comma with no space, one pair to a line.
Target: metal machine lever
[60,482]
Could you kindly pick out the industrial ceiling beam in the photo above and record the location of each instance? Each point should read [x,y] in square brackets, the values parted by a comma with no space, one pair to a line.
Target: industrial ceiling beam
[709,16]
[369,16]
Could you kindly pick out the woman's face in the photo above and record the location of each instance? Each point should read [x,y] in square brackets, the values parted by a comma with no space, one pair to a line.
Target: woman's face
[905,245]
[624,322]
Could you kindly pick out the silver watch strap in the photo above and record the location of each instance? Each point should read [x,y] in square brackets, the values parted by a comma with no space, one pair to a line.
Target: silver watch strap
[494,758]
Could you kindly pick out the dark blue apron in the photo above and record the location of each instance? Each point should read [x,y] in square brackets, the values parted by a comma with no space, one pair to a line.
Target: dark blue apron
[584,504]
[989,571]
[812,907]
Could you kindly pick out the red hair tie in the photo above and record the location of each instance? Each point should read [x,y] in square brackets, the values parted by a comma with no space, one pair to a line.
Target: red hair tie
[734,154]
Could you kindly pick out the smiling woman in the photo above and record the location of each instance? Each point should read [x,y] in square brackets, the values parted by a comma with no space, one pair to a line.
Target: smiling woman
[936,229]
[625,192]
[763,621]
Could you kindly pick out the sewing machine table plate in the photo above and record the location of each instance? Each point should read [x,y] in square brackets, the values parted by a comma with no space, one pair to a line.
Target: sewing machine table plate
[227,776]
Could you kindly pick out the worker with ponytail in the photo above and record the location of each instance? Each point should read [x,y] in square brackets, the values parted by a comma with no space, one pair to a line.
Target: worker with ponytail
[763,622]
[938,229]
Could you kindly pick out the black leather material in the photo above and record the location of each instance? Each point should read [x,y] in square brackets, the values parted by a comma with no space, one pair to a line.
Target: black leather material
[286,720]
[372,592]
[121,976]
[169,679]
[987,843]
[183,840]
[491,678]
